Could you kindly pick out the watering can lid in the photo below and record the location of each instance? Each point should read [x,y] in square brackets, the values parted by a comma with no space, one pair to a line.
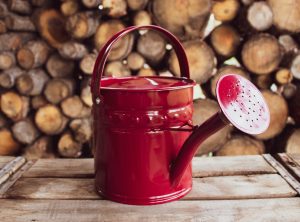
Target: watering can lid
[146,83]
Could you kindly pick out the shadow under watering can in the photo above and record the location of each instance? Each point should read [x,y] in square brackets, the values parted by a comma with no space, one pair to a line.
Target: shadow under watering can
[143,135]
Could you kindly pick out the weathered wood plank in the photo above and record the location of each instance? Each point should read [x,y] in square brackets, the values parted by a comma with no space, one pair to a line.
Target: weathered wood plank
[258,210]
[291,165]
[230,165]
[14,177]
[4,160]
[296,157]
[282,171]
[61,168]
[229,187]
[240,187]
[10,168]
[202,167]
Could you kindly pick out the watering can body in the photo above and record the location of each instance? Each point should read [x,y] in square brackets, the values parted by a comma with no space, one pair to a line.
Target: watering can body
[138,129]
[135,144]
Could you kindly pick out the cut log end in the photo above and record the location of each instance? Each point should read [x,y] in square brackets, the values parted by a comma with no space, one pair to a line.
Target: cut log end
[225,40]
[68,146]
[293,142]
[260,16]
[14,106]
[201,60]
[41,148]
[50,120]
[261,54]
[8,145]
[241,145]
[25,131]
[225,10]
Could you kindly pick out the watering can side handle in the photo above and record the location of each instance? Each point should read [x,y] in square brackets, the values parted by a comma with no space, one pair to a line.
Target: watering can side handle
[103,55]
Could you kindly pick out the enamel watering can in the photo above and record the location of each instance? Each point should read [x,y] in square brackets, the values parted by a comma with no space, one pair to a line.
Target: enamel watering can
[143,135]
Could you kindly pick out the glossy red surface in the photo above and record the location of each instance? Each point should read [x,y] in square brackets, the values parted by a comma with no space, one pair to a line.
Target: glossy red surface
[134,152]
[145,83]
[136,131]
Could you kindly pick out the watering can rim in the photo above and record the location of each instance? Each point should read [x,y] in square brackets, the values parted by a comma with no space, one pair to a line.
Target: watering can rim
[188,83]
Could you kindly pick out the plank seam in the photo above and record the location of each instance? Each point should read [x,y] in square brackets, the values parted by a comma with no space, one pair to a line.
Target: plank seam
[283,172]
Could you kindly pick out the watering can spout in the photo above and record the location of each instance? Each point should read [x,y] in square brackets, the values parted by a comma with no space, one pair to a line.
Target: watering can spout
[241,104]
[191,145]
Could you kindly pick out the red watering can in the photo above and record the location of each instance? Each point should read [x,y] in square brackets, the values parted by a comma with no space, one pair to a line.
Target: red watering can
[143,135]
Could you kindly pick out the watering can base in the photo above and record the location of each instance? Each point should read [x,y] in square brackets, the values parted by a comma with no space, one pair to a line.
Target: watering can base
[145,200]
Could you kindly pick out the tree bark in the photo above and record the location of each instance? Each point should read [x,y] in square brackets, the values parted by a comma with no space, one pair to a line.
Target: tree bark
[73,50]
[19,23]
[20,6]
[25,131]
[82,25]
[41,148]
[32,83]
[59,67]
[8,77]
[34,54]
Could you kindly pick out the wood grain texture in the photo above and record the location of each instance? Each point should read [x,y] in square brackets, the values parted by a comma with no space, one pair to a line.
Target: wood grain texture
[4,160]
[229,187]
[283,172]
[275,210]
[10,168]
[202,167]
[292,166]
[61,168]
[295,157]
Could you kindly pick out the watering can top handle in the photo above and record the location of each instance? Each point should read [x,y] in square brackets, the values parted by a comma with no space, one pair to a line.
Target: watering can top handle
[103,54]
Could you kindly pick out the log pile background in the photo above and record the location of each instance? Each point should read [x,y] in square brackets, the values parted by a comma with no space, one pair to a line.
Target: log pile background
[48,49]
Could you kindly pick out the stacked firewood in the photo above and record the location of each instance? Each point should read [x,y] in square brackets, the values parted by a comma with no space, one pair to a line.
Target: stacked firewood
[48,49]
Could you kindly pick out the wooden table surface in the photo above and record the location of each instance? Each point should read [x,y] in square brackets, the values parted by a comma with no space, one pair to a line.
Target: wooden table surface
[242,188]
